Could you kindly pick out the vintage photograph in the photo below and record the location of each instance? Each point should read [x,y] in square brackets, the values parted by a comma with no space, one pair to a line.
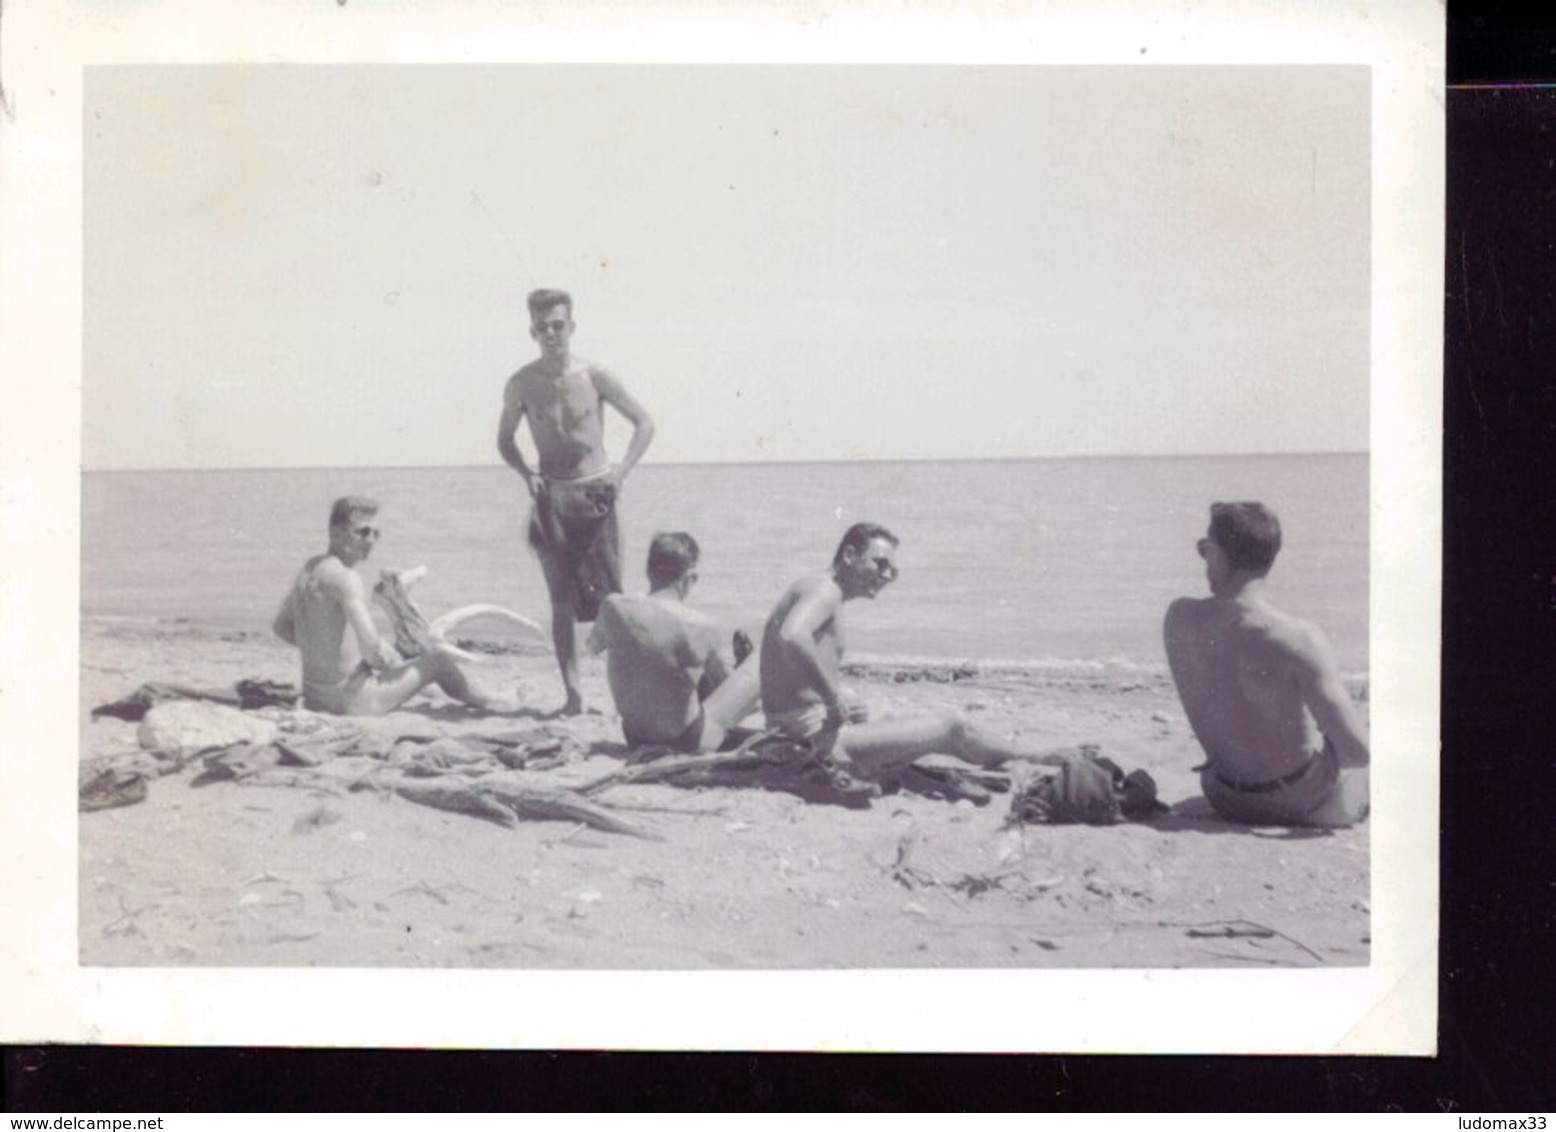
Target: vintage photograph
[720,517]
[564,532]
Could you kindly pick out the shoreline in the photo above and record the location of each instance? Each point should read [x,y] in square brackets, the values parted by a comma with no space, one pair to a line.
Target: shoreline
[874,667]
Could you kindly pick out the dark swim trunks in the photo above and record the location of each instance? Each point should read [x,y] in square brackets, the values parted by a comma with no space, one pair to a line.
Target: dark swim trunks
[580,547]
[1288,800]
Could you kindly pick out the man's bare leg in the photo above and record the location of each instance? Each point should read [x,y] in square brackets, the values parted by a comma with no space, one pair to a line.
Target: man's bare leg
[564,637]
[387,690]
[885,745]
[730,702]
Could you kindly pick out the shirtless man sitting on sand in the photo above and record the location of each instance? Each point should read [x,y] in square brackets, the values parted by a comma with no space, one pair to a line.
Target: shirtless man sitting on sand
[356,673]
[670,683]
[801,662]
[1283,742]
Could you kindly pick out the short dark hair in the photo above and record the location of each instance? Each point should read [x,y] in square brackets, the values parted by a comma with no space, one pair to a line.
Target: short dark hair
[1249,533]
[859,536]
[670,556]
[547,297]
[349,508]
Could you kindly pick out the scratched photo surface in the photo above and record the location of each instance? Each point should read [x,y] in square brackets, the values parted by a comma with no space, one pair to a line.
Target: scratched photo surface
[1033,319]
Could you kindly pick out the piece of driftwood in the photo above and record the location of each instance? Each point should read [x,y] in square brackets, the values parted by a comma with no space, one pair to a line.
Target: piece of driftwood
[415,635]
[950,784]
[766,761]
[506,802]
[769,760]
[457,799]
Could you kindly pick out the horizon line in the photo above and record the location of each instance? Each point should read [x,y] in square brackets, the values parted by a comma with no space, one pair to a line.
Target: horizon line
[747,463]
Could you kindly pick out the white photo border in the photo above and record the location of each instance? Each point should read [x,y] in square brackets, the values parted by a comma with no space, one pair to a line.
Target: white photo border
[1388,1007]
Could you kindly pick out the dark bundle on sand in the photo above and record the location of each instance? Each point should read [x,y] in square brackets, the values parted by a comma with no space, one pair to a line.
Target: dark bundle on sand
[1089,788]
[245,694]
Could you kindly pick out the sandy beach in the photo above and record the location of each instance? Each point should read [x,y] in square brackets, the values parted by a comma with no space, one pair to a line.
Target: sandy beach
[292,867]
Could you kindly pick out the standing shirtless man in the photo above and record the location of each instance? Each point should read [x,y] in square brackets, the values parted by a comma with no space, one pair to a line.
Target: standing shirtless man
[356,672]
[666,671]
[572,528]
[1283,742]
[801,673]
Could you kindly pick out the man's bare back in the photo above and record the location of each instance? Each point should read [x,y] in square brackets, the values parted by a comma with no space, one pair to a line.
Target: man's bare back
[1240,674]
[667,676]
[657,653]
[317,607]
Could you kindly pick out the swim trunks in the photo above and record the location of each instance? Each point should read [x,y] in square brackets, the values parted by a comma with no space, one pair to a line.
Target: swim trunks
[574,531]
[687,742]
[589,496]
[1287,800]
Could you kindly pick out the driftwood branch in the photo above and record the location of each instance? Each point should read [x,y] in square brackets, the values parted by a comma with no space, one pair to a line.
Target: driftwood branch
[505,803]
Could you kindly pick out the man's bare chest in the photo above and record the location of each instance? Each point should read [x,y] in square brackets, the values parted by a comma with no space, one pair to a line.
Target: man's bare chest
[567,404]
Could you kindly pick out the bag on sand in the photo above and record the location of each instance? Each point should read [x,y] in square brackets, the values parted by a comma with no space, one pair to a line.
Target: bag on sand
[1087,789]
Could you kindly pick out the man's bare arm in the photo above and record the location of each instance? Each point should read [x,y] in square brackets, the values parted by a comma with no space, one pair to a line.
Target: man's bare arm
[507,427]
[614,394]
[714,670]
[1185,659]
[599,641]
[352,595]
[285,624]
[1326,697]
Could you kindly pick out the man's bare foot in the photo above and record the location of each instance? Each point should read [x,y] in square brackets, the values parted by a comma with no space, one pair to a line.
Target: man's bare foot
[573,706]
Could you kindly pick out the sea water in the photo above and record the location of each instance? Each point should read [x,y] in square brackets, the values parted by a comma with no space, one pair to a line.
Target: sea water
[1049,561]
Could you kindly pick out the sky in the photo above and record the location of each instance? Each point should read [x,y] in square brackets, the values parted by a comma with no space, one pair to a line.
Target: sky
[326,265]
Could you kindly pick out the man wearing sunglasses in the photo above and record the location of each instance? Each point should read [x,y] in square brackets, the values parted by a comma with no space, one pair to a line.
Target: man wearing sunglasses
[356,672]
[573,526]
[667,674]
[1284,745]
[801,673]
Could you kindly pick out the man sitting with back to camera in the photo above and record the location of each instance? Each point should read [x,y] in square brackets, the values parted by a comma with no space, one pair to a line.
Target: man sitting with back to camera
[1284,744]
[667,675]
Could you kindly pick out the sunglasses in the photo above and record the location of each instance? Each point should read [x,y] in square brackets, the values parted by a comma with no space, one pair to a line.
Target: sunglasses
[366,532]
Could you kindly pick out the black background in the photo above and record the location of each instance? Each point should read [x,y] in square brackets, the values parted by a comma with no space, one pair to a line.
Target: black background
[1498,1009]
